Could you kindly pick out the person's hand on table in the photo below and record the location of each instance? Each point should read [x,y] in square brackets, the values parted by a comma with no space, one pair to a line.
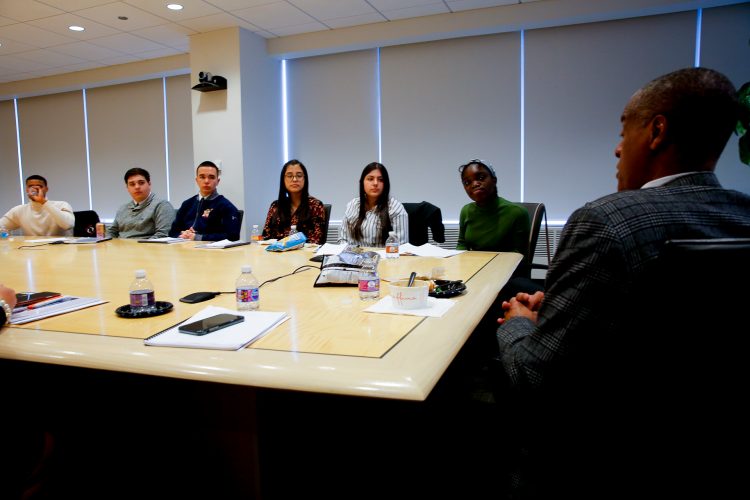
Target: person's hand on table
[188,234]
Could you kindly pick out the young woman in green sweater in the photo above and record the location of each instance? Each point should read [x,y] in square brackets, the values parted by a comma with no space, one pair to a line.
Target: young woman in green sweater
[490,223]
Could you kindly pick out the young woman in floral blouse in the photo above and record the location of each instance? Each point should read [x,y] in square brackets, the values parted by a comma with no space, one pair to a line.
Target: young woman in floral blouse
[295,206]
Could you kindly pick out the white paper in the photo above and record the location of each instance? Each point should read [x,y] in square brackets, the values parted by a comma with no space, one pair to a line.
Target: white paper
[165,239]
[427,250]
[46,240]
[232,338]
[435,309]
[60,305]
[223,244]
[86,240]
[330,249]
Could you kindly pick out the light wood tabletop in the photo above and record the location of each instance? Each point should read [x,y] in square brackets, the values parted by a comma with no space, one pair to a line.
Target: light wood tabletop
[329,345]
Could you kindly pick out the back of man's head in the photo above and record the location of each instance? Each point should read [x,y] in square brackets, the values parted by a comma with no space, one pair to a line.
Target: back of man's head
[701,109]
[36,178]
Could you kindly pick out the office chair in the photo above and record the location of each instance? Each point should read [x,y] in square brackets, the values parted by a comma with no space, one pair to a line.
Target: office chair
[324,238]
[669,388]
[421,216]
[85,223]
[537,212]
[240,215]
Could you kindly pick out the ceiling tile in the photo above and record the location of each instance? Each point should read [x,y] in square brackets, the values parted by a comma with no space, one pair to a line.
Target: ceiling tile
[239,4]
[59,24]
[383,5]
[48,57]
[74,5]
[86,50]
[301,28]
[126,43]
[217,22]
[332,9]
[458,5]
[122,59]
[173,35]
[11,46]
[344,22]
[421,10]
[32,35]
[274,15]
[163,52]
[18,64]
[108,14]
[192,9]
[26,10]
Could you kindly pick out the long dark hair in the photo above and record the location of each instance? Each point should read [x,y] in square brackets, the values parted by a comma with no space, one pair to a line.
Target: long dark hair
[284,202]
[381,206]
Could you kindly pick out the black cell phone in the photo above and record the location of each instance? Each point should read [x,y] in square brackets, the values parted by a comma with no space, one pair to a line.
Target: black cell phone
[211,324]
[28,298]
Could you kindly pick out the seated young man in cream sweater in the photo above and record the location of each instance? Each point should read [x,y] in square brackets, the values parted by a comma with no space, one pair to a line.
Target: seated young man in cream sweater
[40,217]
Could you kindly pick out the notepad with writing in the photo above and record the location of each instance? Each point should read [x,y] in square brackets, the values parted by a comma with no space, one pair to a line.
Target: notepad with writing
[233,338]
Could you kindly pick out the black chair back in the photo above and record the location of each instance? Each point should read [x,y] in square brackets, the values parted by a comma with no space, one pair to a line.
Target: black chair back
[85,223]
[537,213]
[324,237]
[424,215]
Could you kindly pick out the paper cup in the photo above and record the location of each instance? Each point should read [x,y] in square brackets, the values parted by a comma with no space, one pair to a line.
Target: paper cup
[405,297]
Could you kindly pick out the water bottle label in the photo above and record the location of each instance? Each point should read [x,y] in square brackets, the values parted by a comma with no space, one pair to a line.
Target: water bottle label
[248,295]
[369,285]
[142,299]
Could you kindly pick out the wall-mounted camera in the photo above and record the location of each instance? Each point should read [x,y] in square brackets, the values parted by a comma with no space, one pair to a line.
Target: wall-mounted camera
[209,82]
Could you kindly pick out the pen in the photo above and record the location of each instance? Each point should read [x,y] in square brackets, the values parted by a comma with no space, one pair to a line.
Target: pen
[51,302]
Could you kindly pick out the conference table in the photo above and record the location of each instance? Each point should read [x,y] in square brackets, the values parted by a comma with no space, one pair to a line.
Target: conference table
[330,346]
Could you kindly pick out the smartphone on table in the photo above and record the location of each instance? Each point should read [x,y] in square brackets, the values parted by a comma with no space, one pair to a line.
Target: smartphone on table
[211,324]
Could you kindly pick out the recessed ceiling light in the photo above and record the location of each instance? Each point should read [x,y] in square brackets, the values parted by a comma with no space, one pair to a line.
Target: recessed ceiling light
[76,28]
[174,6]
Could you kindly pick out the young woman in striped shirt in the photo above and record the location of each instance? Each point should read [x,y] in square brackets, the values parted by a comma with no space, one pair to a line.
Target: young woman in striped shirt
[369,218]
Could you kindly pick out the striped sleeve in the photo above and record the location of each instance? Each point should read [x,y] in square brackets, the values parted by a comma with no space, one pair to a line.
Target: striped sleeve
[399,220]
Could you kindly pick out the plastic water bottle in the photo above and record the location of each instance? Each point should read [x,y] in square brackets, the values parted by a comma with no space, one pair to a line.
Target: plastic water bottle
[255,235]
[246,286]
[391,246]
[142,293]
[369,281]
[293,230]
[4,238]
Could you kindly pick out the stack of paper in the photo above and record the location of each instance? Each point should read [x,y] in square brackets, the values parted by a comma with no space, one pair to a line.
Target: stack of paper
[223,244]
[232,338]
[166,239]
[426,250]
[61,305]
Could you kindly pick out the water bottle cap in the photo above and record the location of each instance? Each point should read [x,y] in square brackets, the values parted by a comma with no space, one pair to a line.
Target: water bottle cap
[247,269]
[140,273]
[255,226]
[391,233]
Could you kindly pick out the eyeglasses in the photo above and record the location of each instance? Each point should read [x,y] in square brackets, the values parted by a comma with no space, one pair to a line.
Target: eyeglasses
[478,162]
[299,176]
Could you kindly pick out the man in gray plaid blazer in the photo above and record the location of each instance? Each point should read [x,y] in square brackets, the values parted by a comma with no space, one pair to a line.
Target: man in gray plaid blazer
[565,351]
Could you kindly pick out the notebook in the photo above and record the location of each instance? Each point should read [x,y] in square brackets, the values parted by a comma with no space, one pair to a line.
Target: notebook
[233,338]
[86,239]
[166,239]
